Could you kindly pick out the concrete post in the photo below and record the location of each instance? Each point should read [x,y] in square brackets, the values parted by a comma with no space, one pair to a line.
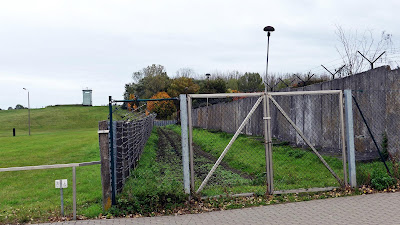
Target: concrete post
[348,102]
[105,164]
[185,143]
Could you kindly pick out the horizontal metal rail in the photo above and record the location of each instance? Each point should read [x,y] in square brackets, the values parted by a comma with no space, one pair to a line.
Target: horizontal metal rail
[43,167]
[306,92]
[146,100]
[279,192]
[226,95]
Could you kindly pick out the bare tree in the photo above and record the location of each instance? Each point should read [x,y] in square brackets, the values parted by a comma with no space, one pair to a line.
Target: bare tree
[185,72]
[353,41]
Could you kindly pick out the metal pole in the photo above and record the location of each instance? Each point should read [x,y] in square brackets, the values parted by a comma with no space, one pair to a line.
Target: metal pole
[350,137]
[345,183]
[266,69]
[185,142]
[269,145]
[113,190]
[267,123]
[74,192]
[29,115]
[189,99]
[266,119]
[62,200]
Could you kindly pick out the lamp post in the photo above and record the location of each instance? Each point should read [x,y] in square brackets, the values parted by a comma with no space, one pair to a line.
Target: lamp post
[267,126]
[29,112]
[267,29]
[208,86]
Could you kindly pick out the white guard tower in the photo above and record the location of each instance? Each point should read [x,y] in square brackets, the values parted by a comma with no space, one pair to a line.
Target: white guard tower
[87,97]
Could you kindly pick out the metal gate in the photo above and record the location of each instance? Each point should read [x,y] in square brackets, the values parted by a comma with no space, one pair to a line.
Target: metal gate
[309,152]
[231,136]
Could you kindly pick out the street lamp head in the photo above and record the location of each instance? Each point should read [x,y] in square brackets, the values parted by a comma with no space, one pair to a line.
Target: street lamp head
[269,29]
[24,89]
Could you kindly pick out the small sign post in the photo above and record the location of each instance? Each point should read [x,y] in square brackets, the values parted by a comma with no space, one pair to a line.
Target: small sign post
[61,184]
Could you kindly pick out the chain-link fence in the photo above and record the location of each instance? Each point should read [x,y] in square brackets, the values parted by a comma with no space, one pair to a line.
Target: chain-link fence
[302,123]
[307,134]
[376,133]
[214,122]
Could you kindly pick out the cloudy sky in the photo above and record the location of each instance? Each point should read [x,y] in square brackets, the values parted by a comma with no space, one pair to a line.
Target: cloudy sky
[55,48]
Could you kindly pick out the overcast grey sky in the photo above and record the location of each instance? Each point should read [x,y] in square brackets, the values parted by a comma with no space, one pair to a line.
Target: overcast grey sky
[56,48]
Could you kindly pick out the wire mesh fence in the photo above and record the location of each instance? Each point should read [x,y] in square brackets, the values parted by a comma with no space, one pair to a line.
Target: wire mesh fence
[148,159]
[129,131]
[318,119]
[295,164]
[243,167]
[130,139]
[376,130]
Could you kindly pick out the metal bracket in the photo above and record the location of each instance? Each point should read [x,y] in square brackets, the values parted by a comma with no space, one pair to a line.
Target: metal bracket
[103,131]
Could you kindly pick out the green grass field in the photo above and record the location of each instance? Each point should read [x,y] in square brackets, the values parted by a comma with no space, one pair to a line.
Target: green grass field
[63,134]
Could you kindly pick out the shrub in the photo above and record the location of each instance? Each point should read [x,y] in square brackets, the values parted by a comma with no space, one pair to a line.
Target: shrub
[164,109]
[381,180]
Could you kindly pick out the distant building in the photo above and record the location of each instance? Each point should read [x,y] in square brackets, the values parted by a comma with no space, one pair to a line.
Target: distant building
[87,97]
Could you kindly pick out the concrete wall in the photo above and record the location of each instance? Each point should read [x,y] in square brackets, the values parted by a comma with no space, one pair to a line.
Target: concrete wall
[377,92]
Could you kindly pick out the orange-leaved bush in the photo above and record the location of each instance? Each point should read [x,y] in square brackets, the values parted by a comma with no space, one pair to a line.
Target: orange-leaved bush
[131,105]
[236,98]
[164,109]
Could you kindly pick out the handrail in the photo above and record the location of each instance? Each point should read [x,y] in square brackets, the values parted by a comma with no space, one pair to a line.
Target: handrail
[55,166]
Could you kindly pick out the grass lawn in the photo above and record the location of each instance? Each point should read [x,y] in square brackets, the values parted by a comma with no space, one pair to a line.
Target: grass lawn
[64,134]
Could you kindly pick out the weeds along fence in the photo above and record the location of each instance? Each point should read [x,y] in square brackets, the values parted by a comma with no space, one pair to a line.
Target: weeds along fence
[122,139]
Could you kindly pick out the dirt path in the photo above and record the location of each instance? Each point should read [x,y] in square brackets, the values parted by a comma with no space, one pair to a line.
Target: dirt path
[202,160]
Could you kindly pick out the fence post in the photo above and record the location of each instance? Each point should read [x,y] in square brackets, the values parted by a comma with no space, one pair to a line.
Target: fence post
[268,145]
[105,164]
[191,154]
[350,137]
[185,143]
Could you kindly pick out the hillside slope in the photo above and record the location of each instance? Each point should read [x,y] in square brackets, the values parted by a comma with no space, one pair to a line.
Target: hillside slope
[50,119]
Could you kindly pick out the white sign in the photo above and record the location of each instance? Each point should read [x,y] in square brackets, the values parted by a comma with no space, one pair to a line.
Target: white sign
[61,183]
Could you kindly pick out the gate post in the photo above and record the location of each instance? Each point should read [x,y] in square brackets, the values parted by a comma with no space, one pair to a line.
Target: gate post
[268,145]
[348,103]
[185,142]
[105,164]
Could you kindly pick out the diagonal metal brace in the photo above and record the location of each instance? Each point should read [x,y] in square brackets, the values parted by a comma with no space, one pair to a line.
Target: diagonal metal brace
[305,139]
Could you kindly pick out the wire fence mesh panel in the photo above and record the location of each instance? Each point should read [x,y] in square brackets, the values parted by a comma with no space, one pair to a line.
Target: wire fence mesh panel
[317,118]
[130,131]
[214,122]
[149,174]
[376,130]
